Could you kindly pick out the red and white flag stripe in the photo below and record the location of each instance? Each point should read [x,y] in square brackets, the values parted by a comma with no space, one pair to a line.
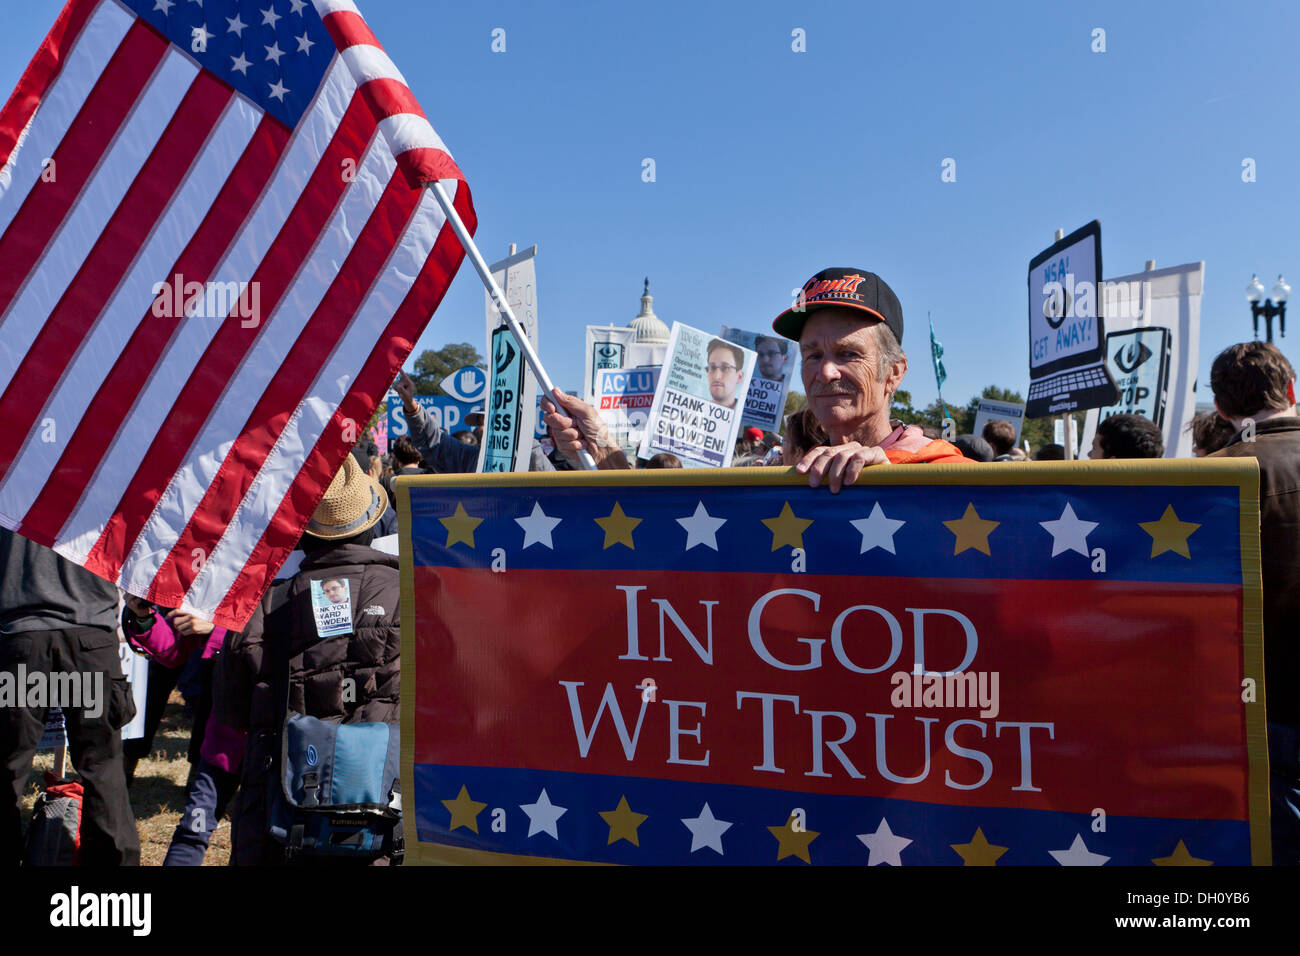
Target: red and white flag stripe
[179,447]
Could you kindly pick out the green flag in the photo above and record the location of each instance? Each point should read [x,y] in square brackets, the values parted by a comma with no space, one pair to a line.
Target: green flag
[940,374]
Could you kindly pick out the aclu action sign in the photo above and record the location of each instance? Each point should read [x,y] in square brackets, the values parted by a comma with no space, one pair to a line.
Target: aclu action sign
[623,400]
[731,667]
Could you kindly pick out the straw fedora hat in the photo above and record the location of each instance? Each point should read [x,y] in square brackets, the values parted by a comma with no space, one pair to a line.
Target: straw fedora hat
[353,502]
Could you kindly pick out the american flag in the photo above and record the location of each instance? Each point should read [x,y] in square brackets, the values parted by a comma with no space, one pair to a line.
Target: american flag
[218,253]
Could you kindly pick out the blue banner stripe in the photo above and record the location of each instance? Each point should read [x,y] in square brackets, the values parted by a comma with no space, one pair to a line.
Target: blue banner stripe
[1029,836]
[1020,547]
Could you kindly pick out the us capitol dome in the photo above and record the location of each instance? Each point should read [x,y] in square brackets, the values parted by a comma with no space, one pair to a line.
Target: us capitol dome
[650,329]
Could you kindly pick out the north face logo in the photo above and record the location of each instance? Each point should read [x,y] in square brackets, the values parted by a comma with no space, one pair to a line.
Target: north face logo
[374,609]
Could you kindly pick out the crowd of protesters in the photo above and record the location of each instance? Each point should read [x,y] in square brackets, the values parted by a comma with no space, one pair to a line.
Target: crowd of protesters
[250,686]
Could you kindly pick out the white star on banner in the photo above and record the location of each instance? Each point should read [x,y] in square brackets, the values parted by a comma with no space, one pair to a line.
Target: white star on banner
[542,815]
[877,530]
[164,5]
[269,16]
[297,6]
[236,26]
[273,52]
[538,527]
[884,844]
[706,830]
[701,528]
[241,64]
[305,44]
[1078,854]
[1069,533]
[278,90]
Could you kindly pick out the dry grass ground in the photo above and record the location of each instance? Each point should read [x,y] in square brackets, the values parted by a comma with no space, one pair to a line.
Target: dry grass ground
[158,793]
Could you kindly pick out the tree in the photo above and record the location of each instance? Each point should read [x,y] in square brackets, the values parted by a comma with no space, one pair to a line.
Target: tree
[901,409]
[933,414]
[794,401]
[434,365]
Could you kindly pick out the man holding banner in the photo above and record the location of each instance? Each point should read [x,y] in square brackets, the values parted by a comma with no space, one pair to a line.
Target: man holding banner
[849,326]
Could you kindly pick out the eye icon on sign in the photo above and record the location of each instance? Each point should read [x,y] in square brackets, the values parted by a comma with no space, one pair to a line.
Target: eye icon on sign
[505,355]
[1131,356]
[465,384]
[1056,306]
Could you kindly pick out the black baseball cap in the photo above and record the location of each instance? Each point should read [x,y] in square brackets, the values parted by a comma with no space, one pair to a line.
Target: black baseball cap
[845,288]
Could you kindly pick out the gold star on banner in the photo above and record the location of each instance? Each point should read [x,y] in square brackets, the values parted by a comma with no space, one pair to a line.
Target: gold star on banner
[792,842]
[787,528]
[623,821]
[618,527]
[1169,534]
[1180,857]
[464,811]
[972,531]
[460,526]
[978,852]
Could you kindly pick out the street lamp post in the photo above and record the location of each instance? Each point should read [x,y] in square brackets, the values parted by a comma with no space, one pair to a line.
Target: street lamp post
[1269,308]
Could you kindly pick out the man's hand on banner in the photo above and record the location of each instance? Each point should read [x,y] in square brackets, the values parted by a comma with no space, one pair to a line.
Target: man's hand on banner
[580,426]
[839,465]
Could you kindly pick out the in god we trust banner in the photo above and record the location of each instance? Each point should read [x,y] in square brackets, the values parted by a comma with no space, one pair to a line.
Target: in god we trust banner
[1034,664]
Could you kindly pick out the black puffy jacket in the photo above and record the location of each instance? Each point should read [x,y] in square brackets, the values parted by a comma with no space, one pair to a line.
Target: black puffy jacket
[350,678]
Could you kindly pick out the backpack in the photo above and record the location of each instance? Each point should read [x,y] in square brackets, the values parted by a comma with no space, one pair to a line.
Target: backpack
[337,790]
[54,838]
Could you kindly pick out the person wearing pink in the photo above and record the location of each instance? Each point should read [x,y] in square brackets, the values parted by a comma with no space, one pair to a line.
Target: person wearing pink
[216,751]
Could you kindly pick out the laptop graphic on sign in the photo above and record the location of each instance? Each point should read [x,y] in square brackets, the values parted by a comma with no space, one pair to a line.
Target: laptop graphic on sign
[1067,336]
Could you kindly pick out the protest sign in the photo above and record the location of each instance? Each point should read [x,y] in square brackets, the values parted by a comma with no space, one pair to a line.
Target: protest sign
[607,347]
[447,413]
[135,668]
[1152,348]
[1072,442]
[55,734]
[468,384]
[1067,326]
[646,355]
[511,398]
[935,666]
[379,434]
[990,410]
[331,606]
[623,399]
[697,404]
[778,363]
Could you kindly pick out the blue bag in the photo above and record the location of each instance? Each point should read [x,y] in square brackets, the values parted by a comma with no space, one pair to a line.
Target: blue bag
[337,793]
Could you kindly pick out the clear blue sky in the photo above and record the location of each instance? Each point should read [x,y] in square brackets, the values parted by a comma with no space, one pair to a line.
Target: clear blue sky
[772,164]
